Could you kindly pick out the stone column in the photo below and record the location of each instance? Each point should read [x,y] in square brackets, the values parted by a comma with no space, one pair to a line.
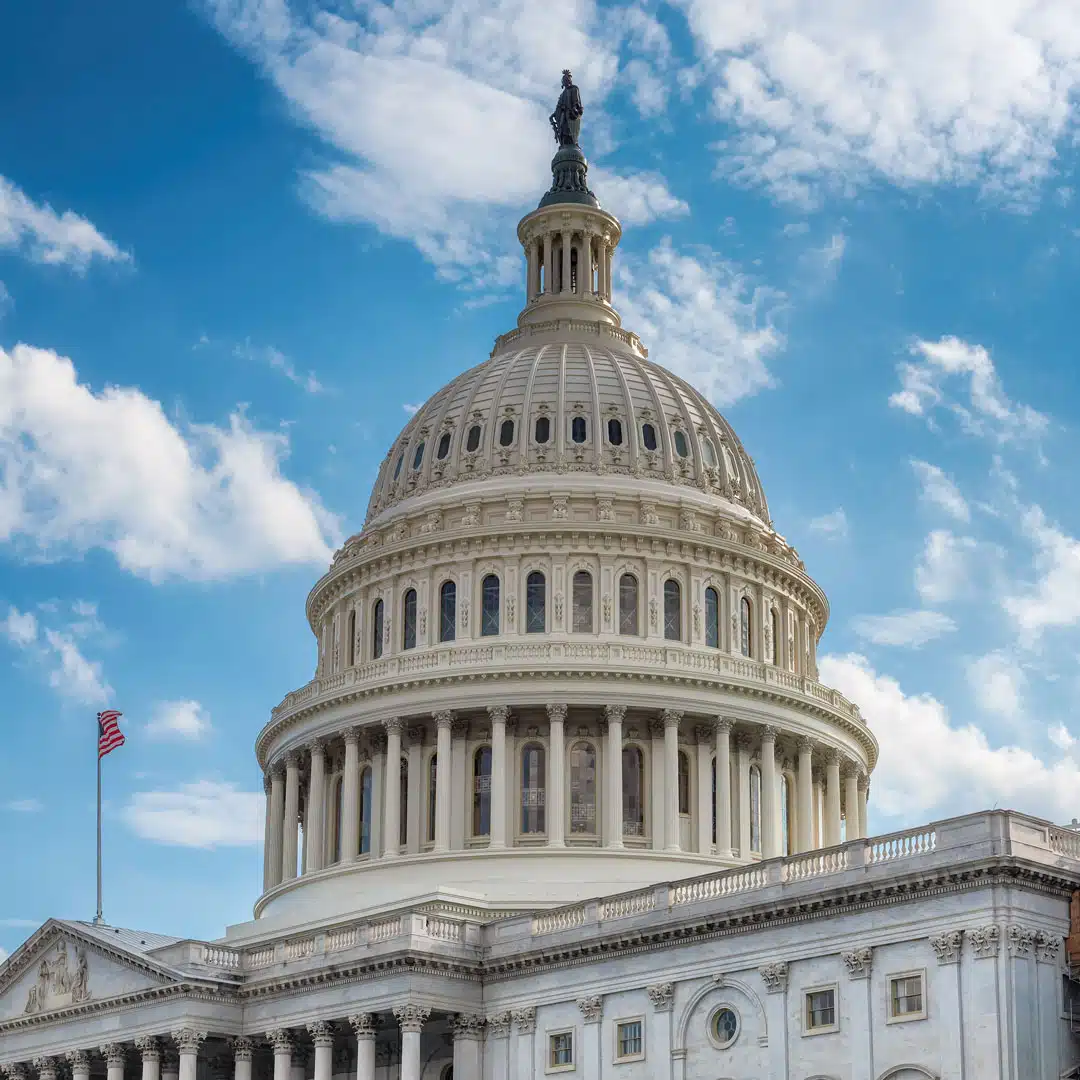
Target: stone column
[567,272]
[317,806]
[391,822]
[499,715]
[170,1065]
[243,1050]
[592,1009]
[115,1055]
[671,718]
[47,1067]
[864,791]
[851,802]
[601,267]
[705,736]
[819,800]
[584,266]
[79,1060]
[613,789]
[350,798]
[770,842]
[364,1026]
[530,269]
[832,799]
[805,796]
[443,722]
[188,1041]
[277,824]
[744,744]
[281,1041]
[291,817]
[496,1058]
[150,1049]
[411,1018]
[723,787]
[322,1036]
[298,1063]
[467,1030]
[524,1026]
[549,265]
[268,832]
[556,808]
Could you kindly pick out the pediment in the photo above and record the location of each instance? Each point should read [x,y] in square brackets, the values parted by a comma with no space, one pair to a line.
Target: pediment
[58,968]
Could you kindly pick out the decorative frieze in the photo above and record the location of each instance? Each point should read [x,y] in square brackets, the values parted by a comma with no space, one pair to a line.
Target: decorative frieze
[525,1020]
[858,962]
[774,976]
[985,941]
[662,996]
[947,946]
[591,1008]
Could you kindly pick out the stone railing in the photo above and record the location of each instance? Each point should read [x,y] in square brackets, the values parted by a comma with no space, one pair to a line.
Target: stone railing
[513,657]
[1065,842]
[573,326]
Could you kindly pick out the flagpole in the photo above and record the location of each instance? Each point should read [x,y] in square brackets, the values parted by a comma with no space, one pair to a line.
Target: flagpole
[98,918]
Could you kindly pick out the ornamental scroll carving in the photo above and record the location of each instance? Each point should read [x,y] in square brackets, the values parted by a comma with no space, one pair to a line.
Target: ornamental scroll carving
[58,984]
[774,976]
[498,1024]
[947,946]
[985,941]
[858,962]
[591,1008]
[525,1020]
[662,995]
[1020,940]
[467,1026]
[1046,947]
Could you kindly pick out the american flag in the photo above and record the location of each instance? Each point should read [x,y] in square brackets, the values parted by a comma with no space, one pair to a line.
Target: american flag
[109,733]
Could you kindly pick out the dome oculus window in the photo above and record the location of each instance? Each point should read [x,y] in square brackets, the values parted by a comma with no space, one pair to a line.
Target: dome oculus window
[444,445]
[418,457]
[506,433]
[542,430]
[648,437]
[472,440]
[724,1027]
[681,447]
[578,430]
[614,432]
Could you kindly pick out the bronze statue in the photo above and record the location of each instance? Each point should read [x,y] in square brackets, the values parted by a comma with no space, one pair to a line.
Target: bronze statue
[566,119]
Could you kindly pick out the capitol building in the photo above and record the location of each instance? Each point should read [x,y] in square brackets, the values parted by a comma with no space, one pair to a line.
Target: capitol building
[565,795]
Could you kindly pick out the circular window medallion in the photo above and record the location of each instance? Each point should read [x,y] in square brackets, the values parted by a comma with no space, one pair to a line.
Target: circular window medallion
[723,1027]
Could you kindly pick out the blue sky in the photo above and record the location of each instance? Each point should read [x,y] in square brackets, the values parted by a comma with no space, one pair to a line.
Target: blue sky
[239,238]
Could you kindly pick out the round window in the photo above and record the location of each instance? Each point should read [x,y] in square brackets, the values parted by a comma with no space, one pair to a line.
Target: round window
[724,1027]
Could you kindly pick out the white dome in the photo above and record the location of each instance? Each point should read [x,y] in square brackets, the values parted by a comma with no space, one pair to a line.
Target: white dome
[569,407]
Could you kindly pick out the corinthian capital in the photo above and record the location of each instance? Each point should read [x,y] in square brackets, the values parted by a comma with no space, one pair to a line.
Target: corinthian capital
[614,713]
[671,717]
[499,714]
[281,1040]
[392,725]
[115,1054]
[149,1047]
[443,719]
[242,1047]
[79,1060]
[322,1034]
[557,711]
[411,1017]
[363,1025]
[188,1040]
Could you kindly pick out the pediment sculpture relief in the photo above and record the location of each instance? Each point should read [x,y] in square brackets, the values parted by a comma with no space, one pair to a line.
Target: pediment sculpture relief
[59,984]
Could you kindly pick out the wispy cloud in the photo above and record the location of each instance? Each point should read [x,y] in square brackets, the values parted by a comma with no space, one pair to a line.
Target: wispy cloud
[23,806]
[907,629]
[937,489]
[185,720]
[833,525]
[204,814]
[278,361]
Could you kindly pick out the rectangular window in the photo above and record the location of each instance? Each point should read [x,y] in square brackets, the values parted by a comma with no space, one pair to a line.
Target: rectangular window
[629,1040]
[907,1000]
[560,1051]
[820,1010]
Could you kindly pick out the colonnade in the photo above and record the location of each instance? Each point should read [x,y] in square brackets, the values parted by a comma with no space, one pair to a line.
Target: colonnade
[558,776]
[551,263]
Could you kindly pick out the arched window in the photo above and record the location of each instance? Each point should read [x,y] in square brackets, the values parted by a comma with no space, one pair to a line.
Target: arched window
[403,803]
[481,807]
[336,822]
[648,437]
[578,430]
[712,618]
[533,788]
[444,445]
[681,447]
[614,432]
[633,791]
[397,467]
[709,451]
[745,617]
[775,620]
[506,433]
[786,845]
[447,611]
[628,604]
[755,808]
[489,606]
[365,811]
[418,457]
[543,429]
[350,648]
[377,630]
[433,765]
[535,603]
[684,783]
[672,610]
[583,789]
[582,603]
[472,440]
[408,620]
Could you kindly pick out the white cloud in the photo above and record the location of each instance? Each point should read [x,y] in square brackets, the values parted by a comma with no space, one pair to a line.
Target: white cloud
[6,303]
[435,115]
[939,490]
[930,768]
[24,806]
[1053,598]
[42,234]
[204,814]
[278,361]
[80,470]
[635,198]
[987,411]
[944,571]
[186,720]
[701,318]
[997,684]
[3,955]
[411,410]
[70,673]
[834,524]
[827,95]
[911,629]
